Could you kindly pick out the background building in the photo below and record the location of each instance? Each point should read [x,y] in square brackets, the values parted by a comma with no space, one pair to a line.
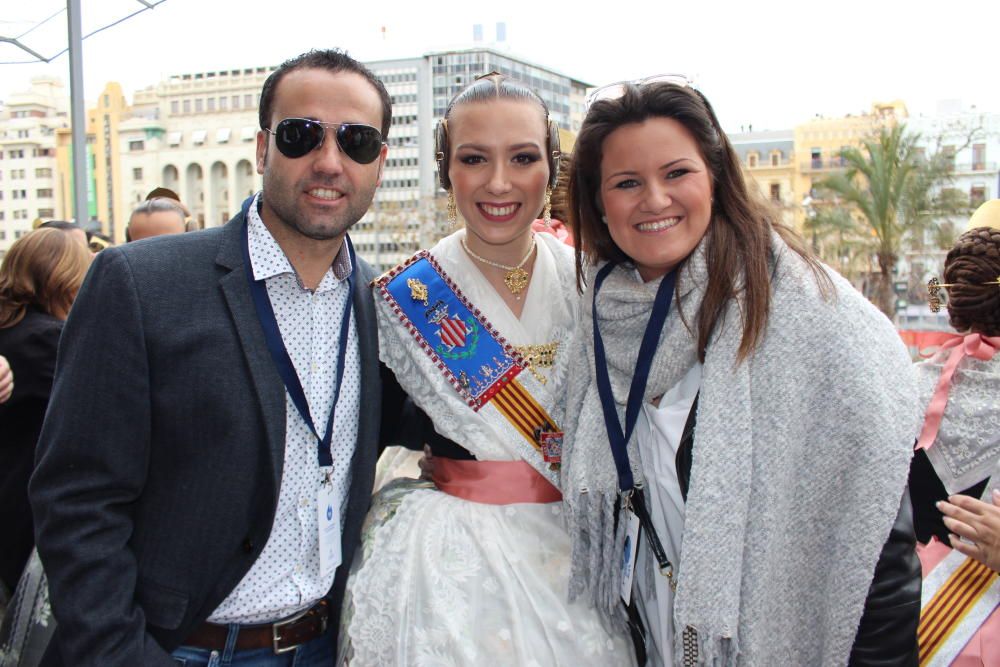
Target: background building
[768,158]
[819,141]
[196,134]
[31,186]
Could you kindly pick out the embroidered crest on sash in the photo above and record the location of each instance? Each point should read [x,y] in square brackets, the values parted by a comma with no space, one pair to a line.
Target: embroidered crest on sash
[478,362]
[474,357]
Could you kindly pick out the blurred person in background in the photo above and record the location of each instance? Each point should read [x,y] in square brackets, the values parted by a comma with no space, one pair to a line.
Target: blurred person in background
[956,469]
[156,217]
[97,242]
[71,228]
[39,279]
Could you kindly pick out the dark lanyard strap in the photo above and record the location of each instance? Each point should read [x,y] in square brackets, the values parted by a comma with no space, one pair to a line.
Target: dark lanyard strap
[647,349]
[272,334]
[618,437]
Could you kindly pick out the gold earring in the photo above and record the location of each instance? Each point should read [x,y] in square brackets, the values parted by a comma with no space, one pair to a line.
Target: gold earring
[547,208]
[452,209]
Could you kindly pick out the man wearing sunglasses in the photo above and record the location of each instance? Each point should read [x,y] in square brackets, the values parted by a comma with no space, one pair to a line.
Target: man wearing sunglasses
[212,515]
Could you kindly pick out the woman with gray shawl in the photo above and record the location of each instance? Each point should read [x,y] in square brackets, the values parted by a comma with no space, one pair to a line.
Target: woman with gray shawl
[740,420]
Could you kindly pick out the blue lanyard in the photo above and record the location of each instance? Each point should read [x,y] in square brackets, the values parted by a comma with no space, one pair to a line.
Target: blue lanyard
[618,437]
[272,334]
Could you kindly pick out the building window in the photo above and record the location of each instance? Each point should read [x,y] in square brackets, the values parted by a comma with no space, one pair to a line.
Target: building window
[199,105]
[752,159]
[137,174]
[175,107]
[776,192]
[949,155]
[43,172]
[44,193]
[816,158]
[22,134]
[236,102]
[978,157]
[775,159]
[20,194]
[210,103]
[223,103]
[187,106]
[977,195]
[137,145]
[46,213]
[248,101]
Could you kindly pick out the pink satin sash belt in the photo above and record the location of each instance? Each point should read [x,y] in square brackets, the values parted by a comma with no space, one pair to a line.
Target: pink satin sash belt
[974,345]
[493,482]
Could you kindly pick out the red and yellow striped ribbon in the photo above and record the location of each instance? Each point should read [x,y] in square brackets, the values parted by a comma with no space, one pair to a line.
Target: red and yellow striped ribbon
[950,604]
[523,411]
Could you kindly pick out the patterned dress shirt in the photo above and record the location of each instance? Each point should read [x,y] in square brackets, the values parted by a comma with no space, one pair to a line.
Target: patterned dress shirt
[286,577]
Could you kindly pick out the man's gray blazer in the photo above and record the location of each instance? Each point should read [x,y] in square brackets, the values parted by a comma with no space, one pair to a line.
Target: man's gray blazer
[160,460]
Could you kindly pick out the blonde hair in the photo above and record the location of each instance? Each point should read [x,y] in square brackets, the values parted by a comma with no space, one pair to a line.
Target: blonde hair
[44,268]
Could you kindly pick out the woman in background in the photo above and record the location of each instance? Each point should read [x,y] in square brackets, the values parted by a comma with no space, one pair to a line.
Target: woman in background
[955,475]
[39,279]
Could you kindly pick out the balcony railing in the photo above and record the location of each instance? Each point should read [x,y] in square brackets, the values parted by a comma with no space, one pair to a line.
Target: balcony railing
[819,164]
[978,166]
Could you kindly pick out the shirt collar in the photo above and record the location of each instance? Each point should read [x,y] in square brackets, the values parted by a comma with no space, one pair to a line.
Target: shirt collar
[267,259]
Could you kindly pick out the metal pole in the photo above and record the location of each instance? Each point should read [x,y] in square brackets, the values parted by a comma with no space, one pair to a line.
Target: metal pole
[77,116]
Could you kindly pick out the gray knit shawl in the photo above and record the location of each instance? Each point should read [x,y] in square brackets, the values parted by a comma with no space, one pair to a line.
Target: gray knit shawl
[800,459]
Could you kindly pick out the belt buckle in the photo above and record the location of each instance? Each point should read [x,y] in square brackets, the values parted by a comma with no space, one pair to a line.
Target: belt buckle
[276,627]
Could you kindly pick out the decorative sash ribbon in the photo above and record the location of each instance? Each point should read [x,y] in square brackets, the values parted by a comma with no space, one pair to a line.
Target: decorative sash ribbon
[493,482]
[478,363]
[958,595]
[974,345]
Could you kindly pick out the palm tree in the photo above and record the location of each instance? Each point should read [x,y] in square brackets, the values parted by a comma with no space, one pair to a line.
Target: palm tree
[893,188]
[838,239]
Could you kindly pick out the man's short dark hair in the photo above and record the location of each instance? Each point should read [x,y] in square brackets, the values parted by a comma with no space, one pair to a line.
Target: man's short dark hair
[332,60]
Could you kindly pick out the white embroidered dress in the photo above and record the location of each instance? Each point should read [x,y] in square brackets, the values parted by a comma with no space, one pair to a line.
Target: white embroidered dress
[445,581]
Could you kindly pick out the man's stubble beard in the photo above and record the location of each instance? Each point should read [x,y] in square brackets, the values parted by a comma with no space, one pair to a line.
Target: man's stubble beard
[291,215]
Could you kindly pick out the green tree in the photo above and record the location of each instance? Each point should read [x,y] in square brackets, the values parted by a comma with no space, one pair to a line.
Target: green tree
[898,192]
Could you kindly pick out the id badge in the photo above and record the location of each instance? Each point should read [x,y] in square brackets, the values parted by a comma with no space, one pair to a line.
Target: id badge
[629,554]
[328,515]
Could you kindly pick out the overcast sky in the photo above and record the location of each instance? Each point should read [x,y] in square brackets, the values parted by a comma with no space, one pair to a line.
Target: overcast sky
[769,64]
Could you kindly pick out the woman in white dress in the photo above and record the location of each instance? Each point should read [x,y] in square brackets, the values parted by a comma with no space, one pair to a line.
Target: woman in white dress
[472,568]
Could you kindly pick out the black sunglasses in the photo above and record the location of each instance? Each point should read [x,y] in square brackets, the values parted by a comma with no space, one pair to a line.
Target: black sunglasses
[295,137]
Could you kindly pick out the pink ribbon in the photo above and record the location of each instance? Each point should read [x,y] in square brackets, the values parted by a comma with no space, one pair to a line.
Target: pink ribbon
[493,482]
[974,345]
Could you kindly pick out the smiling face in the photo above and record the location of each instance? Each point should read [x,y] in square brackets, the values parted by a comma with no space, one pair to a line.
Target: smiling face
[656,193]
[498,169]
[321,194]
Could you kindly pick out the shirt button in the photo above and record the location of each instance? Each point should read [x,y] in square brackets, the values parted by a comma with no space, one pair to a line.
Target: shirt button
[248,545]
